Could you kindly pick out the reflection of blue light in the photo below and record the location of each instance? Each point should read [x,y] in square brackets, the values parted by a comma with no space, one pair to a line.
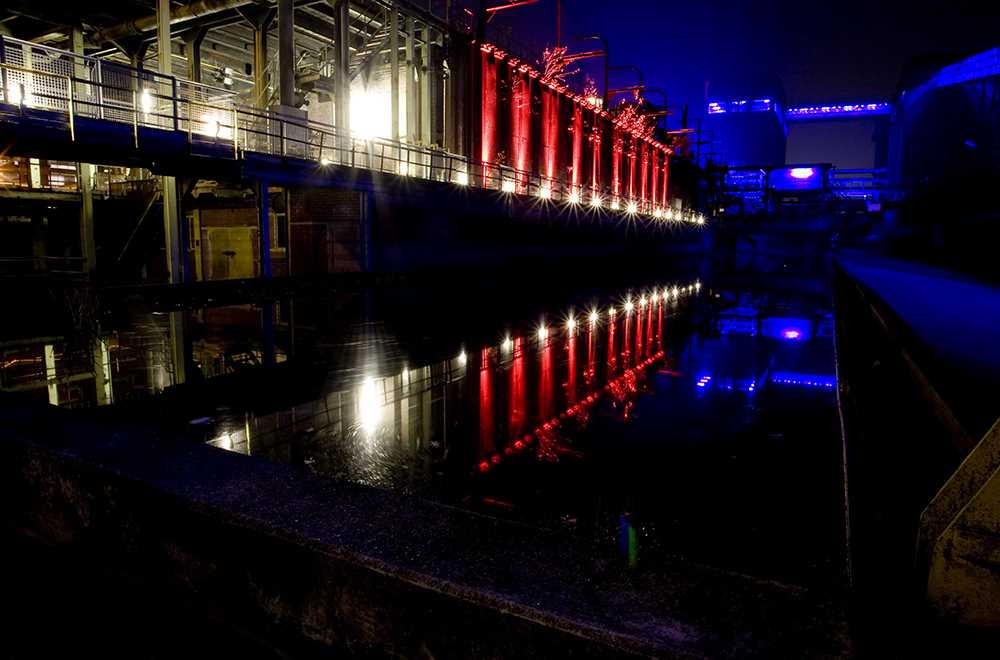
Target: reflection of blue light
[792,333]
[802,172]
[703,380]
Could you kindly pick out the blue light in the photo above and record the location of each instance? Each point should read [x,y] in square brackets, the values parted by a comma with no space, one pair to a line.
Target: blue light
[970,144]
[802,172]
[807,380]
[716,108]
[850,110]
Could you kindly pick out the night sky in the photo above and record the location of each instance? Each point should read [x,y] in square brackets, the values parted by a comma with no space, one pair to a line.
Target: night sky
[824,52]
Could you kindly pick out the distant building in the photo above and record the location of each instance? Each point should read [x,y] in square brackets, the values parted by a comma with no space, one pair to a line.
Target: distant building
[746,117]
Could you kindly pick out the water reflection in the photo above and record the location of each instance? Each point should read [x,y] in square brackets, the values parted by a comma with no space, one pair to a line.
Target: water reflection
[708,416]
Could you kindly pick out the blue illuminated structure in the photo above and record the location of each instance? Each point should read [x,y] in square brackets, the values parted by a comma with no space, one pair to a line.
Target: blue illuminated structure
[809,380]
[855,110]
[972,68]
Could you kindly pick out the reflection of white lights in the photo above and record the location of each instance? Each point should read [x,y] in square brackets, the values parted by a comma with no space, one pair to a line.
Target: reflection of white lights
[701,219]
[657,213]
[697,285]
[370,114]
[595,201]
[574,198]
[368,405]
[633,208]
[462,358]
[508,185]
[628,306]
[147,101]
[462,179]
[404,169]
[224,441]
[543,332]
[642,301]
[670,214]
[507,343]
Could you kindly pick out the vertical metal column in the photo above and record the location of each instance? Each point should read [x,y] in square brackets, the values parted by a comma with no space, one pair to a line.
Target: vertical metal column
[342,76]
[176,249]
[260,60]
[264,227]
[426,72]
[84,179]
[286,53]
[412,112]
[394,71]
[192,46]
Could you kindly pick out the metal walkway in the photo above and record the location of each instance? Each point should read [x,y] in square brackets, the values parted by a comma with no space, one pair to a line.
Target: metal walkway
[61,99]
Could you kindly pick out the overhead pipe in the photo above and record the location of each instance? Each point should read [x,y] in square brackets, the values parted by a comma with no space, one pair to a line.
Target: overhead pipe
[177,14]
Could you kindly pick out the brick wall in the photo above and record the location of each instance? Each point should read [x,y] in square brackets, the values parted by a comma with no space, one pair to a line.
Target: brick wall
[325,232]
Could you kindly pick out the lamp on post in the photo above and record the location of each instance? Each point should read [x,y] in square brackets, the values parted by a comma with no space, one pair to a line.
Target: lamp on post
[604,99]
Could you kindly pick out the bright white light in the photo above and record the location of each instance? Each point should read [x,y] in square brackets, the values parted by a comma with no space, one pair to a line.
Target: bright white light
[595,201]
[14,94]
[545,193]
[462,358]
[543,333]
[325,161]
[701,219]
[227,81]
[642,301]
[371,115]
[615,206]
[697,285]
[213,127]
[368,405]
[147,101]
[462,179]
[675,292]
[628,306]
[593,317]
[632,207]
[574,198]
[670,214]
[508,185]
[657,213]
[507,343]
[595,101]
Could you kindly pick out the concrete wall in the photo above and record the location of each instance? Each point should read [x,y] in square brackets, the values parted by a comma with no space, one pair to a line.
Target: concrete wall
[367,573]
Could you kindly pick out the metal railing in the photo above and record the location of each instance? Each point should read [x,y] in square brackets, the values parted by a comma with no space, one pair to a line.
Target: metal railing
[85,88]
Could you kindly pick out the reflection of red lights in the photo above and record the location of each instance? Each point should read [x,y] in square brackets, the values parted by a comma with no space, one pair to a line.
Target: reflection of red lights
[546,433]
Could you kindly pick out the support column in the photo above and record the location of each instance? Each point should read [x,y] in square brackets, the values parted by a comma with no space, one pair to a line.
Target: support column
[394,71]
[286,53]
[84,183]
[412,112]
[192,47]
[426,72]
[175,229]
[164,64]
[342,77]
[264,227]
[260,22]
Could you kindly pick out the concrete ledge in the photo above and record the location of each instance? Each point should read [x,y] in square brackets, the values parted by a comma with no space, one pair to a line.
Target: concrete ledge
[373,573]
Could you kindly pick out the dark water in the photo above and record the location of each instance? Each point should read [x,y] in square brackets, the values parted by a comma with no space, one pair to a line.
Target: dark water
[701,411]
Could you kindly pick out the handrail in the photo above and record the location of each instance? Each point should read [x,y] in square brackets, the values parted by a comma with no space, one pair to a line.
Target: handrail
[122,94]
